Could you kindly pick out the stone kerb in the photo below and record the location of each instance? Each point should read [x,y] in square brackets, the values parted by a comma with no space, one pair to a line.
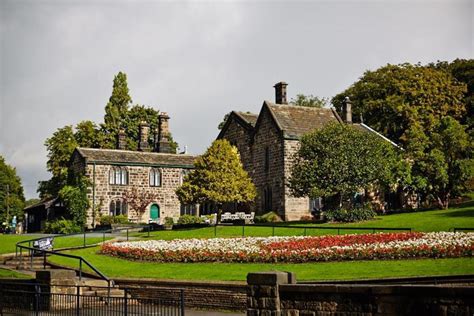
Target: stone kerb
[263,292]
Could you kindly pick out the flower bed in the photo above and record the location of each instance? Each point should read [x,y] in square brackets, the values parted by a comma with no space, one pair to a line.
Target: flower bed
[298,249]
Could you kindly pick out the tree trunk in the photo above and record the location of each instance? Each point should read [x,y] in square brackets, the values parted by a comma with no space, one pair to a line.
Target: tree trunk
[219,213]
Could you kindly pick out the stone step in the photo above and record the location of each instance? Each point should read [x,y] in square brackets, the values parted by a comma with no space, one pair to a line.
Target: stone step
[93,282]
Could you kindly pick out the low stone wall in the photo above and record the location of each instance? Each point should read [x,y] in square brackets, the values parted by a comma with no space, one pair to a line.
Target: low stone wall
[277,293]
[201,295]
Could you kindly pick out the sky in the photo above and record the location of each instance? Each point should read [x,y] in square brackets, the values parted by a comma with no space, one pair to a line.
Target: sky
[198,60]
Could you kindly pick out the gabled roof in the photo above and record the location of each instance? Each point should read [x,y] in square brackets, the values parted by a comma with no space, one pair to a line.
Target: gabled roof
[295,121]
[47,203]
[245,119]
[128,157]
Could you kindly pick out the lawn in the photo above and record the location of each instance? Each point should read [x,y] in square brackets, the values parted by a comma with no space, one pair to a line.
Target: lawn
[434,220]
[5,273]
[8,242]
[116,267]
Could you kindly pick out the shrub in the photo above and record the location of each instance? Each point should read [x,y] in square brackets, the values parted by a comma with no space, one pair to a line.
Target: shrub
[306,218]
[169,221]
[62,226]
[270,217]
[189,219]
[109,219]
[346,216]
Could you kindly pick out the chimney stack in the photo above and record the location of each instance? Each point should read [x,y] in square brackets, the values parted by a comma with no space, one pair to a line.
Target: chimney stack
[163,133]
[121,140]
[280,93]
[347,110]
[143,136]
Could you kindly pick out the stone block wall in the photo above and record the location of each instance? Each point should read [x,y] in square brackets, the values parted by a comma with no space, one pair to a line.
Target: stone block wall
[268,136]
[272,293]
[138,177]
[295,207]
[241,138]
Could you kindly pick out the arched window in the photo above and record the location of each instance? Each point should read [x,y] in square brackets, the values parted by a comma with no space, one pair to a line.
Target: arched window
[155,178]
[118,207]
[118,175]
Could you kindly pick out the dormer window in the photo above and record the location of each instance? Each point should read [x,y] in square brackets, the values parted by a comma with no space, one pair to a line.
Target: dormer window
[155,177]
[118,175]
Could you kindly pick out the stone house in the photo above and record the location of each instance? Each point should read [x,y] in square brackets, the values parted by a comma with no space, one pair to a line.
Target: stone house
[113,172]
[267,142]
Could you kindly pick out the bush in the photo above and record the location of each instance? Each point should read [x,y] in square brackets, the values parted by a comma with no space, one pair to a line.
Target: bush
[189,219]
[169,221]
[306,218]
[109,220]
[270,217]
[346,216]
[62,226]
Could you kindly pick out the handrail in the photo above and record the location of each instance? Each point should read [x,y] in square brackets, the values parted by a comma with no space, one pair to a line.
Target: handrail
[20,245]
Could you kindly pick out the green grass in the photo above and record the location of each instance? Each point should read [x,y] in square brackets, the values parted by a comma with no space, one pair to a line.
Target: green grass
[116,267]
[5,273]
[8,242]
[435,220]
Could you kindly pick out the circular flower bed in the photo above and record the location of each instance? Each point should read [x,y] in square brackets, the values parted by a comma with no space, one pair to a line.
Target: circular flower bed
[298,249]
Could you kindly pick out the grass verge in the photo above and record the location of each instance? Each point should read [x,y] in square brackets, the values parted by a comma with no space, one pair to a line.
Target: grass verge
[5,273]
[116,268]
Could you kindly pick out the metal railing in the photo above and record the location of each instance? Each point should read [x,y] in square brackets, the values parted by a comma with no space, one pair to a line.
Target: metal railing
[306,228]
[41,299]
[35,251]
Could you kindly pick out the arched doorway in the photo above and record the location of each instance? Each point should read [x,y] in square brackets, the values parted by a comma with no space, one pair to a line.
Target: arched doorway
[154,212]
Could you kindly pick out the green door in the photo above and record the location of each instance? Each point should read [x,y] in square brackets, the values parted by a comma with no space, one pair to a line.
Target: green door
[154,212]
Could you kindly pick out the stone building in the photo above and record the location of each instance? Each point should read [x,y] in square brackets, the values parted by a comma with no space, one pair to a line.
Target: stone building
[113,172]
[267,142]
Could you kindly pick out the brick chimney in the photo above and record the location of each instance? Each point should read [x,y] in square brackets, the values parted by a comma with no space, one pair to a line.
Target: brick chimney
[143,136]
[280,93]
[163,133]
[121,140]
[347,110]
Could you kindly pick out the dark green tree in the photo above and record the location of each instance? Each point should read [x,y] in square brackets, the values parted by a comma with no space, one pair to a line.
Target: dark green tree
[12,199]
[74,197]
[87,134]
[339,160]
[442,160]
[309,101]
[116,109]
[393,98]
[218,177]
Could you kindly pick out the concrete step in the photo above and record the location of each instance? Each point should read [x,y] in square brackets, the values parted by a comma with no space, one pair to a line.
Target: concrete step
[93,282]
[103,292]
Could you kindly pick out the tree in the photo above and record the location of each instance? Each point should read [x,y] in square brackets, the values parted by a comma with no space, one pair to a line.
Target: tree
[12,199]
[116,109]
[75,200]
[139,199]
[393,98]
[87,134]
[60,147]
[309,101]
[341,160]
[218,177]
[442,160]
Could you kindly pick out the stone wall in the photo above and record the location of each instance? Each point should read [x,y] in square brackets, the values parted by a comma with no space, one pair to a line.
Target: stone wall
[240,137]
[202,295]
[268,136]
[276,293]
[138,178]
[295,207]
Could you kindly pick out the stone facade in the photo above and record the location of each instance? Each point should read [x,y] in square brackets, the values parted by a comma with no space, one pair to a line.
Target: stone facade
[98,164]
[267,143]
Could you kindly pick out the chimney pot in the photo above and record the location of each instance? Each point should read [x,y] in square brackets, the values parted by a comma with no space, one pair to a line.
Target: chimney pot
[280,93]
[143,136]
[347,110]
[163,134]
[121,140]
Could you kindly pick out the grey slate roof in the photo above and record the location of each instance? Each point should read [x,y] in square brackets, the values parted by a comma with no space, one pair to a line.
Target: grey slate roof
[94,155]
[295,121]
[250,118]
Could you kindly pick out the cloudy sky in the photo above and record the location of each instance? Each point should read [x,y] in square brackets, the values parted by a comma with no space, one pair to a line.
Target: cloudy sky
[198,60]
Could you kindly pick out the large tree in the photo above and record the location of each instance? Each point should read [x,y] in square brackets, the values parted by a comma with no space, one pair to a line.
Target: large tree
[393,98]
[442,161]
[218,177]
[339,160]
[309,101]
[12,199]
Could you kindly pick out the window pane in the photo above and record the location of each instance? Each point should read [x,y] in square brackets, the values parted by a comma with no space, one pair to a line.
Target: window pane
[158,178]
[152,177]
[117,176]
[123,174]
[111,175]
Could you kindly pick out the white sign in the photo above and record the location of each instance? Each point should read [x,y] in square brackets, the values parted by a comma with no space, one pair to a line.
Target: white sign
[43,243]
